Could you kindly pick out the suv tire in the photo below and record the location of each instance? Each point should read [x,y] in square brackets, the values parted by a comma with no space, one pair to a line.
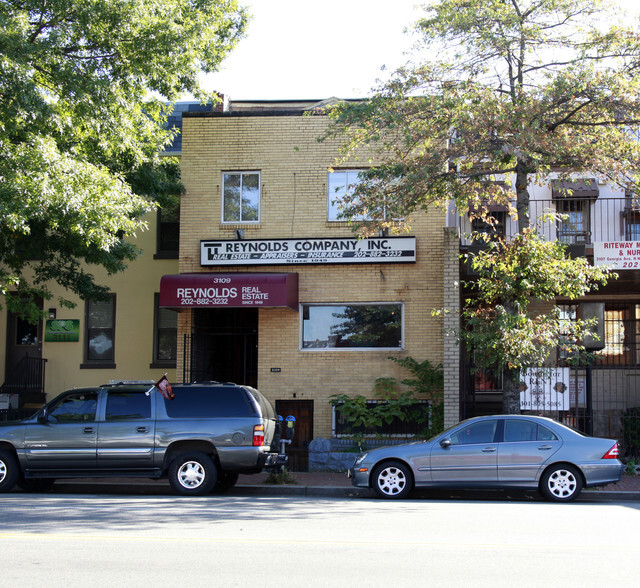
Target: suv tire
[9,471]
[192,474]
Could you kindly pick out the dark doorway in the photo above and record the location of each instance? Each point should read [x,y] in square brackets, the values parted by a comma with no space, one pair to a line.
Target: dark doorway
[24,366]
[298,451]
[224,346]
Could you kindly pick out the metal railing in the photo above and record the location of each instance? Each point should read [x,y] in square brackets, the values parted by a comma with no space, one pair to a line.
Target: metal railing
[28,375]
[584,221]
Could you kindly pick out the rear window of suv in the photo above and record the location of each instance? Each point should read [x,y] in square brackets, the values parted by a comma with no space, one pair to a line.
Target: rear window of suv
[204,402]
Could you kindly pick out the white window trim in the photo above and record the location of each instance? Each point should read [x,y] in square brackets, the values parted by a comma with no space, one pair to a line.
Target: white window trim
[301,346]
[329,195]
[240,222]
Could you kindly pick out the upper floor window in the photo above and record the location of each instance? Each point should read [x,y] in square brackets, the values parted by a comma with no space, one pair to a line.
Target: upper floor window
[241,197]
[632,218]
[165,336]
[573,200]
[574,226]
[352,326]
[493,225]
[100,321]
[168,235]
[341,186]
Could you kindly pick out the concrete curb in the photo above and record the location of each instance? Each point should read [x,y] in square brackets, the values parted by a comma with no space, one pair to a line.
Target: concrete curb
[270,490]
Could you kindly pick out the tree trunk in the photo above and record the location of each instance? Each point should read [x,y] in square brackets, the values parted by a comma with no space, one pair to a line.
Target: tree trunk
[511,391]
[522,195]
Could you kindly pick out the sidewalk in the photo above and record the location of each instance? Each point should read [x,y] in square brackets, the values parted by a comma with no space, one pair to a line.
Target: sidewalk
[328,484]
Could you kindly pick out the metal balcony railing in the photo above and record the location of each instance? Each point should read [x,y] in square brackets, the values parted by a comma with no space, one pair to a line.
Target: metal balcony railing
[584,221]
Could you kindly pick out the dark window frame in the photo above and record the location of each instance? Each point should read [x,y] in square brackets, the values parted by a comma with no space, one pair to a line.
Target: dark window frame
[167,237]
[93,363]
[156,361]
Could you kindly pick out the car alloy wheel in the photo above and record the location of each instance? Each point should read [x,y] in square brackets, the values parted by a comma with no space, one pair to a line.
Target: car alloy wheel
[561,483]
[392,480]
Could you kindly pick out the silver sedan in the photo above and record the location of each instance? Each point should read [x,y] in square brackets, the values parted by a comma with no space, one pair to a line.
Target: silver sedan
[505,451]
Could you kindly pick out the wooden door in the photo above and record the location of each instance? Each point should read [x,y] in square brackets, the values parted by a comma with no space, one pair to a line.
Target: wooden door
[298,450]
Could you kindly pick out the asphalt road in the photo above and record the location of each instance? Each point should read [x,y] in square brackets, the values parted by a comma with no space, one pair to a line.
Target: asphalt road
[132,540]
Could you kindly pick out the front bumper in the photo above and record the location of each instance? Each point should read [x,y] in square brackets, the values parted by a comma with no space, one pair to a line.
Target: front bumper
[358,477]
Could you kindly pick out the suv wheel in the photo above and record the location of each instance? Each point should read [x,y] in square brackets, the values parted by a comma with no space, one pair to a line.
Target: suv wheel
[192,474]
[9,471]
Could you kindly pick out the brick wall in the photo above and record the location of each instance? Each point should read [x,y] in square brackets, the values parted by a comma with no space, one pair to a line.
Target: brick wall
[293,167]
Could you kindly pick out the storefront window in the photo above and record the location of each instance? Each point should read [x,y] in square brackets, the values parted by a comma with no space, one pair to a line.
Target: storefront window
[352,326]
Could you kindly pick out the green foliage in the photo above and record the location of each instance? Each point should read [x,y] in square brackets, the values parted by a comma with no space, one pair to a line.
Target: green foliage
[492,100]
[631,467]
[83,91]
[501,94]
[498,321]
[393,404]
[281,477]
[631,432]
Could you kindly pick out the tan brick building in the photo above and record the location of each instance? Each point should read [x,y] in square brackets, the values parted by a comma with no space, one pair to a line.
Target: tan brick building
[258,207]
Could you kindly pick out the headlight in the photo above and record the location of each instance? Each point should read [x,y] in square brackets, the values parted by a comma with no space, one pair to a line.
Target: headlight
[359,459]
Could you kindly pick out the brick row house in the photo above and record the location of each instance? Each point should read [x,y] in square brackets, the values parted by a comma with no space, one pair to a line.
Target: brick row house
[273,289]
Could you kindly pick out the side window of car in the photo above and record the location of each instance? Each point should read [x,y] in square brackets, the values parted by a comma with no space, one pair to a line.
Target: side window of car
[75,407]
[128,406]
[545,434]
[519,430]
[480,432]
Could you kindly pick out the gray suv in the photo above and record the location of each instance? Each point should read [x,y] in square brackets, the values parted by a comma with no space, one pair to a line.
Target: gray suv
[202,439]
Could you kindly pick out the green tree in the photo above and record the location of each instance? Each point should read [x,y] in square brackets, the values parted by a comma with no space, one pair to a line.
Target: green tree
[84,87]
[499,322]
[509,89]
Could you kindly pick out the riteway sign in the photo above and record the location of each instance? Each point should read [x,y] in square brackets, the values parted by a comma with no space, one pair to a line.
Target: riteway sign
[617,254]
[308,251]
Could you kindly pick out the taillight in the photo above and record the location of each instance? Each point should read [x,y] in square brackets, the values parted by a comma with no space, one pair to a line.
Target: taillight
[258,435]
[612,453]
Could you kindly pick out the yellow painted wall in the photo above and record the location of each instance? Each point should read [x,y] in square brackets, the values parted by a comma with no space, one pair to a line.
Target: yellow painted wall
[134,291]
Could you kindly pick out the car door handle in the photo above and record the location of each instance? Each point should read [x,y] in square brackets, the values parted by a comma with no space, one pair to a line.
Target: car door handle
[88,430]
[488,449]
[142,429]
[545,447]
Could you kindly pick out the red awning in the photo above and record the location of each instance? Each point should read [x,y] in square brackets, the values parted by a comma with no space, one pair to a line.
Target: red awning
[214,290]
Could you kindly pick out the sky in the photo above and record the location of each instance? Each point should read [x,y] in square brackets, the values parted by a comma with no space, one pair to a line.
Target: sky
[304,49]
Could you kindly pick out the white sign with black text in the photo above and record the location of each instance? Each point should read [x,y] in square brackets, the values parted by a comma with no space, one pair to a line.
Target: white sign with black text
[544,388]
[308,251]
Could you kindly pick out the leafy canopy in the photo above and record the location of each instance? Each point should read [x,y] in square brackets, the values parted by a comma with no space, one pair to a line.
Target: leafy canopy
[508,89]
[502,93]
[83,91]
[512,275]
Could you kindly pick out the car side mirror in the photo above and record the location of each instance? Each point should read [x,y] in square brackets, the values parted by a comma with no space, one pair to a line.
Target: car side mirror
[444,443]
[43,417]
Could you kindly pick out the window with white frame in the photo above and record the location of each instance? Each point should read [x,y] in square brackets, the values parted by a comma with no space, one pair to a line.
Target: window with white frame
[352,326]
[342,184]
[241,197]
